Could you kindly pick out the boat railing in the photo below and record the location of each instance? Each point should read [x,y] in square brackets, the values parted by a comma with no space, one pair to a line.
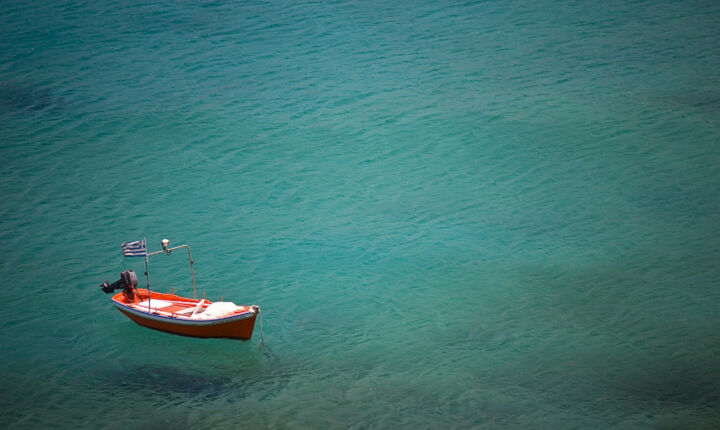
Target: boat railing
[168,251]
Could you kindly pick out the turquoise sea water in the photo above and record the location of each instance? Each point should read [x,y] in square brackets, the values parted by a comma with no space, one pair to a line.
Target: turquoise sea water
[499,215]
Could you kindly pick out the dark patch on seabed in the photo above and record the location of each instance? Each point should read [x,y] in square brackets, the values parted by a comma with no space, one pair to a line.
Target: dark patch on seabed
[173,381]
[22,97]
[670,381]
[166,380]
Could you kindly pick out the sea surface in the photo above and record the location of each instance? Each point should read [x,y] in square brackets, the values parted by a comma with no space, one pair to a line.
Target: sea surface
[456,215]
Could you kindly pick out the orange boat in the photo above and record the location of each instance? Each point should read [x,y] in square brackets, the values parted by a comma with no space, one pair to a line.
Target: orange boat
[175,314]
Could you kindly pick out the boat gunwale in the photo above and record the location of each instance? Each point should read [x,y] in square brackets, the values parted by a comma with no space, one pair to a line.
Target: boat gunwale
[181,320]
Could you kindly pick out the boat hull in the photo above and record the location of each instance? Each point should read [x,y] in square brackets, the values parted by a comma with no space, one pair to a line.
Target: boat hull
[237,326]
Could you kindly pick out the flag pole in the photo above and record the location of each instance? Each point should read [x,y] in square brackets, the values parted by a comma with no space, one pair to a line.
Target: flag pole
[147,273]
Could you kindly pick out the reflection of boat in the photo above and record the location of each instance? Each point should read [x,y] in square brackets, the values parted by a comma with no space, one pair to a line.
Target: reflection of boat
[175,314]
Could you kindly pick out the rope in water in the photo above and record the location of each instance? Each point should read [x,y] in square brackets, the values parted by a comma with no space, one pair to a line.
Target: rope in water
[262,335]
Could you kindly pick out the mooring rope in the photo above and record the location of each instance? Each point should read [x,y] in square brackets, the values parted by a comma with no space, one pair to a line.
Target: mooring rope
[262,335]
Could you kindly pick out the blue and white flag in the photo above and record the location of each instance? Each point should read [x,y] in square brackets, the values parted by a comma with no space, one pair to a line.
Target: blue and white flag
[135,249]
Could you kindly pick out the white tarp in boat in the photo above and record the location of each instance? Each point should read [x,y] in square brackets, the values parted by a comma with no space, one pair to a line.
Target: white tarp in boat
[217,310]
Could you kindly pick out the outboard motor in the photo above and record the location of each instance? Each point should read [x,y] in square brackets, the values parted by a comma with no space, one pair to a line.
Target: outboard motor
[128,282]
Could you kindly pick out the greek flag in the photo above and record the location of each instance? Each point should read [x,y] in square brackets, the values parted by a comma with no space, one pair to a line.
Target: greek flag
[135,249]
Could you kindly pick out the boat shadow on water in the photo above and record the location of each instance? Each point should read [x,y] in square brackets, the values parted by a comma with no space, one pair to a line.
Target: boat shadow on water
[20,97]
[168,380]
[224,378]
